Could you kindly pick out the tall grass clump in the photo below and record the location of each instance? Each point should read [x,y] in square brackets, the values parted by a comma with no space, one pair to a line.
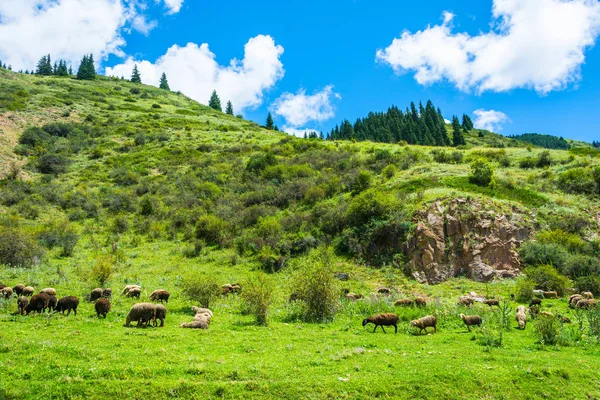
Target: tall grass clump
[102,269]
[202,289]
[547,330]
[258,297]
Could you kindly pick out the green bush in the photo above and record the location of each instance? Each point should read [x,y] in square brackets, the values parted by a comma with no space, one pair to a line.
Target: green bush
[201,289]
[371,204]
[547,329]
[524,290]
[257,297]
[548,278]
[482,173]
[590,283]
[544,160]
[571,241]
[389,171]
[362,181]
[102,269]
[528,163]
[577,181]
[51,163]
[212,229]
[535,253]
[18,248]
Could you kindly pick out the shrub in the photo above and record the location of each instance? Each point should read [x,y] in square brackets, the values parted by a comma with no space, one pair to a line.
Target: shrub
[202,289]
[548,278]
[524,290]
[18,248]
[535,253]
[588,284]
[120,225]
[577,181]
[140,139]
[544,160]
[389,171]
[270,261]
[147,206]
[258,296]
[102,269]
[368,205]
[482,173]
[316,287]
[62,234]
[362,181]
[593,318]
[259,162]
[527,163]
[193,250]
[51,163]
[212,229]
[547,329]
[134,91]
[571,241]
[314,194]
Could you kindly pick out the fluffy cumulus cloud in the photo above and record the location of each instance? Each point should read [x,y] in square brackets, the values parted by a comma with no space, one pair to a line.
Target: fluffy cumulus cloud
[534,44]
[194,71]
[490,120]
[299,109]
[173,5]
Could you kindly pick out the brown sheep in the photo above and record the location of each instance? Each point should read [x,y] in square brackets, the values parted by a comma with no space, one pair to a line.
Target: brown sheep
[588,295]
[28,291]
[404,303]
[142,313]
[586,303]
[563,319]
[424,323]
[161,314]
[22,304]
[521,317]
[107,293]
[574,299]
[6,292]
[471,320]
[38,303]
[535,302]
[134,293]
[2,285]
[387,319]
[95,294]
[465,301]
[49,291]
[127,288]
[551,295]
[420,301]
[384,290]
[67,304]
[18,289]
[102,307]
[492,302]
[52,302]
[160,295]
[353,296]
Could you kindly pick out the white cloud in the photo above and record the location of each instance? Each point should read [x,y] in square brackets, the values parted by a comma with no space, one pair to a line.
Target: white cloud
[290,130]
[299,109]
[194,71]
[173,5]
[142,25]
[490,120]
[534,44]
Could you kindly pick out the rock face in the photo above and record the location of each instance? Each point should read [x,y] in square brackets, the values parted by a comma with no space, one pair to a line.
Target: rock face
[461,237]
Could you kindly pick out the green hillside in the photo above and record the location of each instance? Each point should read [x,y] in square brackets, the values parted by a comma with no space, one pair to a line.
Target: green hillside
[108,183]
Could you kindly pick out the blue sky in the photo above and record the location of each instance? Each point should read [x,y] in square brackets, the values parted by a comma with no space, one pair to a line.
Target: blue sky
[526,65]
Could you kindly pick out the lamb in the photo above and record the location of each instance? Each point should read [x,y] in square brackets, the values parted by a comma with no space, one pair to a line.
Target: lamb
[134,292]
[28,291]
[127,288]
[49,291]
[96,294]
[18,289]
[52,302]
[471,320]
[107,293]
[587,295]
[160,295]
[404,303]
[22,304]
[424,323]
[551,295]
[465,301]
[67,304]
[535,302]
[521,317]
[141,312]
[161,314]
[6,292]
[420,301]
[102,307]
[492,302]
[38,303]
[201,319]
[387,319]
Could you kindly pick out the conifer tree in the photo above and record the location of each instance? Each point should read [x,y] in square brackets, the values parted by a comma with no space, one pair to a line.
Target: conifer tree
[87,70]
[135,75]
[44,66]
[270,124]
[229,108]
[467,124]
[215,102]
[164,83]
[457,135]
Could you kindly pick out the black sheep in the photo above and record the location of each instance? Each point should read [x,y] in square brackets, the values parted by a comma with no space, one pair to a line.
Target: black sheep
[96,294]
[67,304]
[52,303]
[535,302]
[38,303]
[102,307]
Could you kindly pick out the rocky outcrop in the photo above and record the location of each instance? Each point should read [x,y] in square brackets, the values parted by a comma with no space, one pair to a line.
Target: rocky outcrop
[462,237]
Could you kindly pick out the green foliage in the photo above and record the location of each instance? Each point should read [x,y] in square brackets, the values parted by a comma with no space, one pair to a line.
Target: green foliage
[215,102]
[447,157]
[202,289]
[258,297]
[467,123]
[548,278]
[578,181]
[135,75]
[87,70]
[547,141]
[458,138]
[102,269]
[524,290]
[270,125]
[369,205]
[362,181]
[547,330]
[212,229]
[164,83]
[571,241]
[482,173]
[19,248]
[535,253]
[229,108]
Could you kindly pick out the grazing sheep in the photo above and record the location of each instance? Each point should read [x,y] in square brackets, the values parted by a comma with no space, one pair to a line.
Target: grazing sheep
[538,293]
[492,302]
[96,294]
[547,314]
[471,320]
[102,307]
[383,290]
[586,303]
[67,304]
[127,288]
[563,319]
[587,295]
[6,292]
[387,319]
[551,295]
[160,295]
[574,299]
[535,302]
[201,319]
[420,301]
[2,286]
[49,291]
[18,289]
[52,302]
[28,291]
[161,314]
[424,323]
[404,303]
[534,310]
[465,301]
[22,304]
[134,293]
[38,303]
[231,288]
[353,296]
[521,317]
[107,293]
[141,312]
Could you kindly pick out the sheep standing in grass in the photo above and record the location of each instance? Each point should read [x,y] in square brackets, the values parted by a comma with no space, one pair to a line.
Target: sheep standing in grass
[551,295]
[201,320]
[134,293]
[22,304]
[353,296]
[424,323]
[404,303]
[471,320]
[38,303]
[49,291]
[386,319]
[588,295]
[492,302]
[18,289]
[67,304]
[95,294]
[107,293]
[6,292]
[420,302]
[161,314]
[102,307]
[160,295]
[574,299]
[465,301]
[127,288]
[142,313]
[52,302]
[535,302]
[586,303]
[521,317]
[28,291]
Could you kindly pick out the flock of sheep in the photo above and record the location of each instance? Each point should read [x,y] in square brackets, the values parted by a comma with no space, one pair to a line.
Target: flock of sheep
[148,313]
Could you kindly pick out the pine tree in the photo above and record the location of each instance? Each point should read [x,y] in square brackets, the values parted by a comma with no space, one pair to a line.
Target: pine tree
[229,108]
[467,124]
[61,69]
[270,124]
[135,75]
[215,102]
[164,84]
[70,70]
[44,66]
[457,135]
[87,70]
